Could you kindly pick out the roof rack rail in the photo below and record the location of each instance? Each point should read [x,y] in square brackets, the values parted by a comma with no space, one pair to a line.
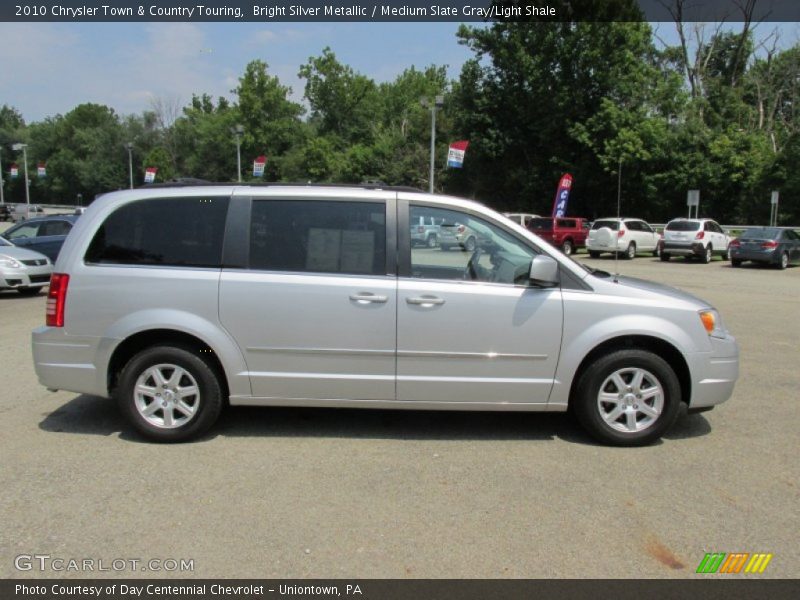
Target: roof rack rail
[189,181]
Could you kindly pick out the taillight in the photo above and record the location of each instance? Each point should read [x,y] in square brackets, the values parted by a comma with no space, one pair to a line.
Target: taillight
[771,245]
[461,229]
[735,243]
[620,233]
[700,235]
[56,299]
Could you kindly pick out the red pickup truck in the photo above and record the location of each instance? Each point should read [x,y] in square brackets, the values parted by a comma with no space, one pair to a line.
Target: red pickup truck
[567,233]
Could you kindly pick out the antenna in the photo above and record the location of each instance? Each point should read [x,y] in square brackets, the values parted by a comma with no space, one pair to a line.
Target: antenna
[619,219]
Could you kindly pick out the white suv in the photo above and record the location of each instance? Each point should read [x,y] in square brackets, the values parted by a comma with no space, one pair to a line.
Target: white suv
[627,236]
[694,237]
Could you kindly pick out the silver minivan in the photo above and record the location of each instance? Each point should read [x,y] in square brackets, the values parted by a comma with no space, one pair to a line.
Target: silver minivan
[176,300]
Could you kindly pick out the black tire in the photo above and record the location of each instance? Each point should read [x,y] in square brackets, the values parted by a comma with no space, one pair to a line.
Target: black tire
[29,291]
[657,251]
[470,244]
[566,247]
[431,242]
[657,374]
[594,254]
[708,254]
[207,402]
[784,262]
[630,251]
[664,256]
[736,262]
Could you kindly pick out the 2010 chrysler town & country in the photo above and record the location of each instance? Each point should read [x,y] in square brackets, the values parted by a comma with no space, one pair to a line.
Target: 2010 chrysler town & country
[176,299]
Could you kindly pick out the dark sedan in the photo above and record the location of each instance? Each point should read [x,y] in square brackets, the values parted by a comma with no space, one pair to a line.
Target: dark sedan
[775,246]
[45,235]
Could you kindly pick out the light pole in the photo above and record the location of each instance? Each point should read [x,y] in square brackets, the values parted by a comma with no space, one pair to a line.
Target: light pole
[2,198]
[238,132]
[438,102]
[24,148]
[129,148]
[79,198]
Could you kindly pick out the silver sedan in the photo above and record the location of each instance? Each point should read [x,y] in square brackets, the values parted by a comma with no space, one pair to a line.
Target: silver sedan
[23,270]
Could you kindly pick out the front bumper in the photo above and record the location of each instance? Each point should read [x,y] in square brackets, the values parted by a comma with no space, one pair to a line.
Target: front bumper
[714,373]
[26,277]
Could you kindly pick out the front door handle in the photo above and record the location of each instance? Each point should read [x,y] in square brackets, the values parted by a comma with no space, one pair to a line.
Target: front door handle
[425,301]
[367,298]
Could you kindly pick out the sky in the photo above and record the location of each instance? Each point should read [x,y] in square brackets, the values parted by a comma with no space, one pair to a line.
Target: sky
[49,68]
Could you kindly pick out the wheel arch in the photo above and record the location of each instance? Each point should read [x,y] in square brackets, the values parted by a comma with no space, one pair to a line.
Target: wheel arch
[657,346]
[137,342]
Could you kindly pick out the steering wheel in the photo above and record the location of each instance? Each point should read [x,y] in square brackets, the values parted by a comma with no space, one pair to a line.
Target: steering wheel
[471,271]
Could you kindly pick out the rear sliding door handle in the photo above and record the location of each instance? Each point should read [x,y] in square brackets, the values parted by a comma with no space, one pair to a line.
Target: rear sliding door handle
[367,298]
[425,300]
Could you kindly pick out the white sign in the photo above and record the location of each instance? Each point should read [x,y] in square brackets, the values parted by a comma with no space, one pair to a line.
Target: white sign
[693,198]
[774,197]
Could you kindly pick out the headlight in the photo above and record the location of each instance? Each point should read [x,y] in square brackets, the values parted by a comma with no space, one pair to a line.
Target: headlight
[8,262]
[712,323]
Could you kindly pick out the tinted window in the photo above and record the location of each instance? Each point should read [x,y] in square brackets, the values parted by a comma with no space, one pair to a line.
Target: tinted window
[612,225]
[567,223]
[683,226]
[540,224]
[761,233]
[318,236]
[183,232]
[55,228]
[790,235]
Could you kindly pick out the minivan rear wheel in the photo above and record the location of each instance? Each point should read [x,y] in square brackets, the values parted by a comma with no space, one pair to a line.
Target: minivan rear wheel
[169,394]
[627,398]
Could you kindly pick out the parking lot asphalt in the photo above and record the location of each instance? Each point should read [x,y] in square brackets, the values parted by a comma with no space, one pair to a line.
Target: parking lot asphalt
[362,494]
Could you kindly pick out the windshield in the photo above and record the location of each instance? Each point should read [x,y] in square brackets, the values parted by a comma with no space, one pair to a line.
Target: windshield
[683,226]
[613,225]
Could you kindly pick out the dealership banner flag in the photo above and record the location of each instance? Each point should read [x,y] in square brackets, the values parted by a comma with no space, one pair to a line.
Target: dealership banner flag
[455,155]
[41,170]
[258,166]
[14,171]
[562,195]
[150,174]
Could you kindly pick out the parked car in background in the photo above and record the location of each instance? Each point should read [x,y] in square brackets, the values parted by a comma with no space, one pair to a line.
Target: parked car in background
[424,231]
[161,302]
[5,212]
[21,212]
[777,246]
[23,270]
[566,233]
[521,218]
[624,236]
[700,238]
[42,234]
[454,235]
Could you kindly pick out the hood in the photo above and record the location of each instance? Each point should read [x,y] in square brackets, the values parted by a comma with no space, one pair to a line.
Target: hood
[659,288]
[18,253]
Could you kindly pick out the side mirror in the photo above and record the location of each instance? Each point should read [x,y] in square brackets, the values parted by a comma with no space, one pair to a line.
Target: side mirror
[544,271]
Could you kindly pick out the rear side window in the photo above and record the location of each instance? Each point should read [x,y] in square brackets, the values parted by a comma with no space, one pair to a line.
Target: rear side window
[318,236]
[180,232]
[55,228]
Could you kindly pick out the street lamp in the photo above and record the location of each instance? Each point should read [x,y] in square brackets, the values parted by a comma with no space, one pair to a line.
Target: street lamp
[80,199]
[24,148]
[238,132]
[438,102]
[129,148]
[2,199]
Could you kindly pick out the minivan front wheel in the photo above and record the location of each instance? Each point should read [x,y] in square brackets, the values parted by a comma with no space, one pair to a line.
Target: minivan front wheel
[627,398]
[169,394]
